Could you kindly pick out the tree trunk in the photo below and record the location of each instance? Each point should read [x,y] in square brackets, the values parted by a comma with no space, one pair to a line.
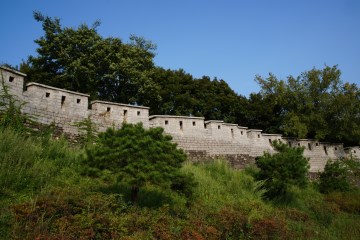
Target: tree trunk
[134,194]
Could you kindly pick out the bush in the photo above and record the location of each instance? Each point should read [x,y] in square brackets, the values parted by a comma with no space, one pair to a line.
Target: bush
[281,170]
[137,156]
[337,176]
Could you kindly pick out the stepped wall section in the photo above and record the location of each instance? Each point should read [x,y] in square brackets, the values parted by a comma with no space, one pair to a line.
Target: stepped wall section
[201,139]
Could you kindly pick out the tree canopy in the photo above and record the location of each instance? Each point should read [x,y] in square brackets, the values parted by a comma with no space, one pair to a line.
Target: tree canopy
[316,104]
[81,60]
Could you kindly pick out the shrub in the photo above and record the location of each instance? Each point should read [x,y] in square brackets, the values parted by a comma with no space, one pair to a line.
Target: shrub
[336,176]
[288,167]
[137,156]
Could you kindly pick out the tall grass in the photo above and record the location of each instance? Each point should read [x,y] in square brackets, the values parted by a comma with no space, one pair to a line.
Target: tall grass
[28,163]
[219,184]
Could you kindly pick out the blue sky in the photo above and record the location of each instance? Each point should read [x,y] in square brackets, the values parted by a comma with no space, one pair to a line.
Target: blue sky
[229,39]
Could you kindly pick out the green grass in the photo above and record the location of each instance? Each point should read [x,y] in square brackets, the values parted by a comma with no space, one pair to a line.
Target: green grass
[29,164]
[44,195]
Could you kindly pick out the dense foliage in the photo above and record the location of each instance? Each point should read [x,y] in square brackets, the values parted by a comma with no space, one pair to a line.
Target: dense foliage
[136,156]
[316,104]
[81,60]
[340,176]
[282,170]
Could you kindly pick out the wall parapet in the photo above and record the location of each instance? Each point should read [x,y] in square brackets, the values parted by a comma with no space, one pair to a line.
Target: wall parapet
[197,136]
[56,89]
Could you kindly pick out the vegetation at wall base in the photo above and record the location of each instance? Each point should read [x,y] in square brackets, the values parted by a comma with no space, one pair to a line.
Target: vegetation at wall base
[44,195]
[341,175]
[282,170]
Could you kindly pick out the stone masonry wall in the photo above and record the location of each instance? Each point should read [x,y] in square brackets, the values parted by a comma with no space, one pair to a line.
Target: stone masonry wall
[200,139]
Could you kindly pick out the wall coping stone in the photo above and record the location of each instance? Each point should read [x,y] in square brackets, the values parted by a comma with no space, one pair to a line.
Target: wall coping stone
[254,130]
[230,124]
[272,134]
[57,89]
[13,71]
[172,116]
[214,121]
[118,104]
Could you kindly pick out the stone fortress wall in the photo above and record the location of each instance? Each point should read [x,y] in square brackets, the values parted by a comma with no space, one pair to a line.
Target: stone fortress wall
[200,138]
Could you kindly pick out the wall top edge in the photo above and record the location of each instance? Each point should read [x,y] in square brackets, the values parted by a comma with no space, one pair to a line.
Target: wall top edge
[353,147]
[230,124]
[311,140]
[254,130]
[57,89]
[214,121]
[172,116]
[118,104]
[272,134]
[13,71]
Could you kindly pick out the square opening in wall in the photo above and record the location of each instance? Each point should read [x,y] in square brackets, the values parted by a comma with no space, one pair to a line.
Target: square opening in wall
[47,94]
[125,115]
[181,125]
[258,135]
[242,133]
[138,113]
[194,123]
[166,122]
[63,100]
[317,144]
[325,150]
[11,79]
[298,144]
[108,109]
[309,146]
[219,126]
[335,148]
[78,100]
[270,141]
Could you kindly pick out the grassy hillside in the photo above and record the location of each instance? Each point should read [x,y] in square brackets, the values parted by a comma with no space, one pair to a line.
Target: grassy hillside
[45,195]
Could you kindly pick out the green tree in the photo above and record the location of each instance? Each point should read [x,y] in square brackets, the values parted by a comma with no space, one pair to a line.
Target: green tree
[137,156]
[79,59]
[182,94]
[316,104]
[288,167]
